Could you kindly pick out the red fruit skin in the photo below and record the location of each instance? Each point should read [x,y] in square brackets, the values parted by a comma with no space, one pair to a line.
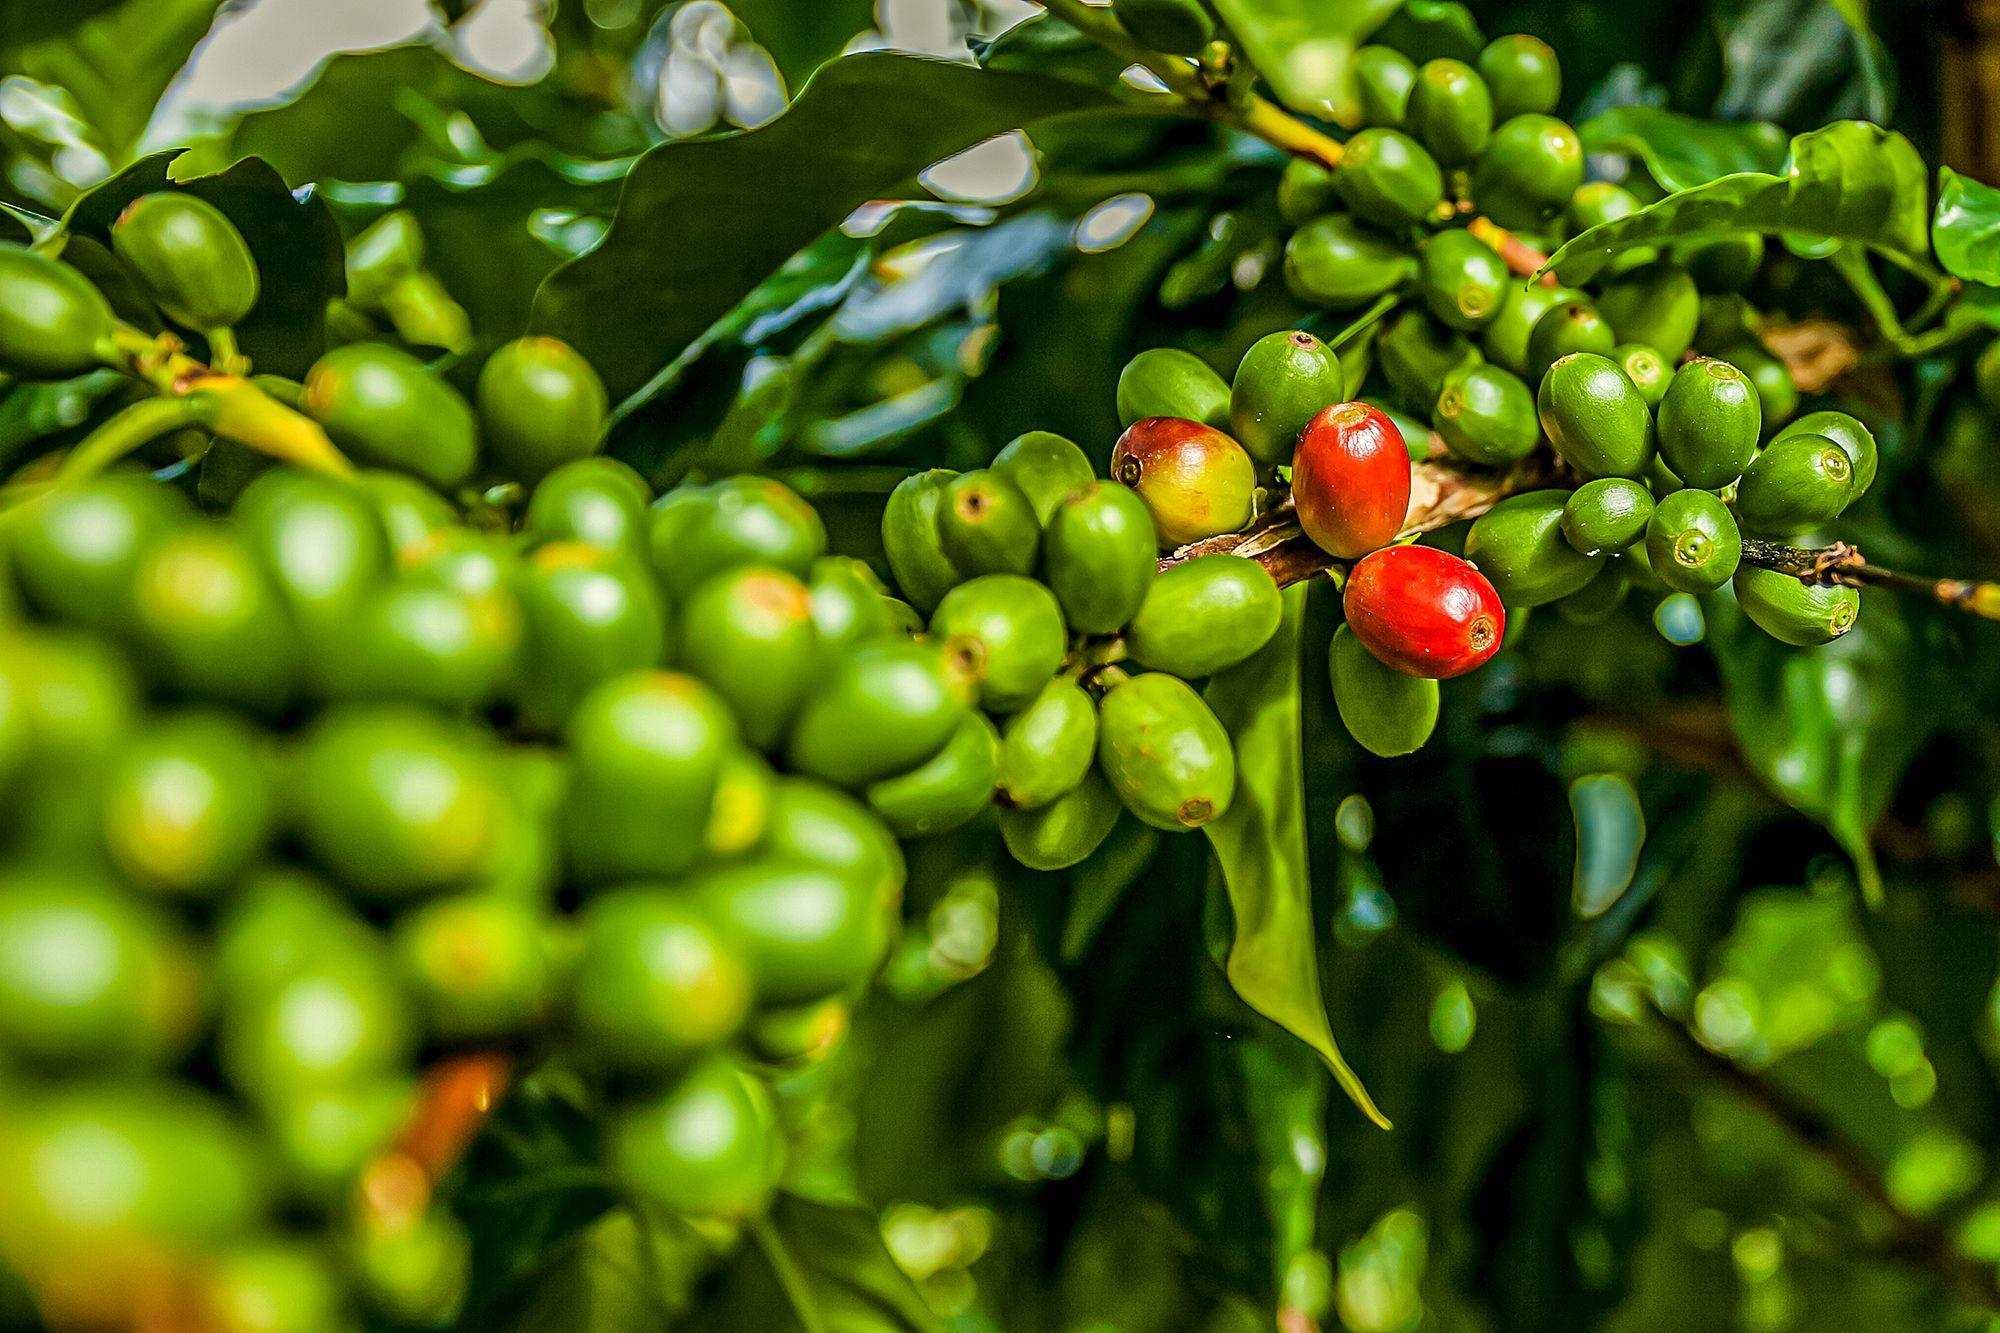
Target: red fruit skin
[1351,480]
[1424,612]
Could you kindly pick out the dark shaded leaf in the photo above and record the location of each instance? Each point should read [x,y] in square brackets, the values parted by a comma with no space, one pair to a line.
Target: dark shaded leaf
[1261,845]
[1965,229]
[24,21]
[696,228]
[838,1269]
[1683,151]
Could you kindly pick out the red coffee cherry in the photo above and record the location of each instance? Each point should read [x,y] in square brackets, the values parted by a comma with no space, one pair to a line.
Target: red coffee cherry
[1351,480]
[1196,481]
[1424,611]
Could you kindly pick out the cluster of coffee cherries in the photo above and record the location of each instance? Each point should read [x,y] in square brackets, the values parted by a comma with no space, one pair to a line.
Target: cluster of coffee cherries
[314,781]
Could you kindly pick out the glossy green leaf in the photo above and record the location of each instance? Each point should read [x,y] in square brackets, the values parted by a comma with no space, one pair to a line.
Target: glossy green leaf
[1681,151]
[1851,181]
[695,229]
[1261,844]
[1965,229]
[1831,729]
[801,37]
[1306,49]
[116,65]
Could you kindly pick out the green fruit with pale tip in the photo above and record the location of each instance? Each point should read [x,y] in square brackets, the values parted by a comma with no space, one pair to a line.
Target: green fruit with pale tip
[589,500]
[323,542]
[1386,177]
[1794,485]
[815,824]
[884,709]
[1178,27]
[188,804]
[1692,542]
[1387,712]
[1305,190]
[1331,261]
[540,405]
[54,323]
[1099,557]
[1519,546]
[1450,110]
[655,980]
[386,409]
[1709,422]
[1164,753]
[1487,416]
[806,931]
[1850,435]
[1649,372]
[340,1020]
[1804,615]
[708,1146]
[209,623]
[1168,382]
[1505,337]
[1046,467]
[1047,747]
[947,790]
[75,550]
[1658,305]
[1065,830]
[1007,632]
[748,632]
[1522,74]
[739,520]
[1383,80]
[1281,383]
[1204,615]
[1608,514]
[1777,393]
[1462,279]
[477,966]
[1595,418]
[910,539]
[1569,327]
[588,614]
[191,258]
[987,525]
[1598,202]
[1417,356]
[1528,171]
[848,604]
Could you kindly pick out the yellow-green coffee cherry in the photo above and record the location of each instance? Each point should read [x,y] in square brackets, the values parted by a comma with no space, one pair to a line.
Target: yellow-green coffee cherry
[191,257]
[53,322]
[540,405]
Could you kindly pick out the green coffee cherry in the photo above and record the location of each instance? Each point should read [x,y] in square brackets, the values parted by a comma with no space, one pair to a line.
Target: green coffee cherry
[188,804]
[1657,305]
[1305,190]
[1281,383]
[192,259]
[1462,280]
[1608,514]
[323,543]
[890,705]
[1505,337]
[1388,713]
[1523,75]
[1451,110]
[947,790]
[1383,79]
[209,623]
[588,615]
[1487,416]
[1528,171]
[1568,328]
[1330,261]
[1850,435]
[1046,467]
[1427,29]
[1067,829]
[1387,178]
[654,980]
[1164,753]
[807,931]
[403,802]
[814,824]
[1798,483]
[987,525]
[386,409]
[1692,542]
[1168,382]
[589,500]
[1203,615]
[340,1020]
[540,405]
[1007,631]
[76,550]
[1179,27]
[749,633]
[1722,263]
[53,322]
[736,521]
[709,1146]
[1709,421]
[1519,546]
[1598,202]
[1649,372]
[413,515]
[477,966]
[1417,356]
[1099,556]
[646,750]
[1804,615]
[1047,747]
[1595,419]
[923,572]
[1777,395]
[848,604]
[1598,600]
